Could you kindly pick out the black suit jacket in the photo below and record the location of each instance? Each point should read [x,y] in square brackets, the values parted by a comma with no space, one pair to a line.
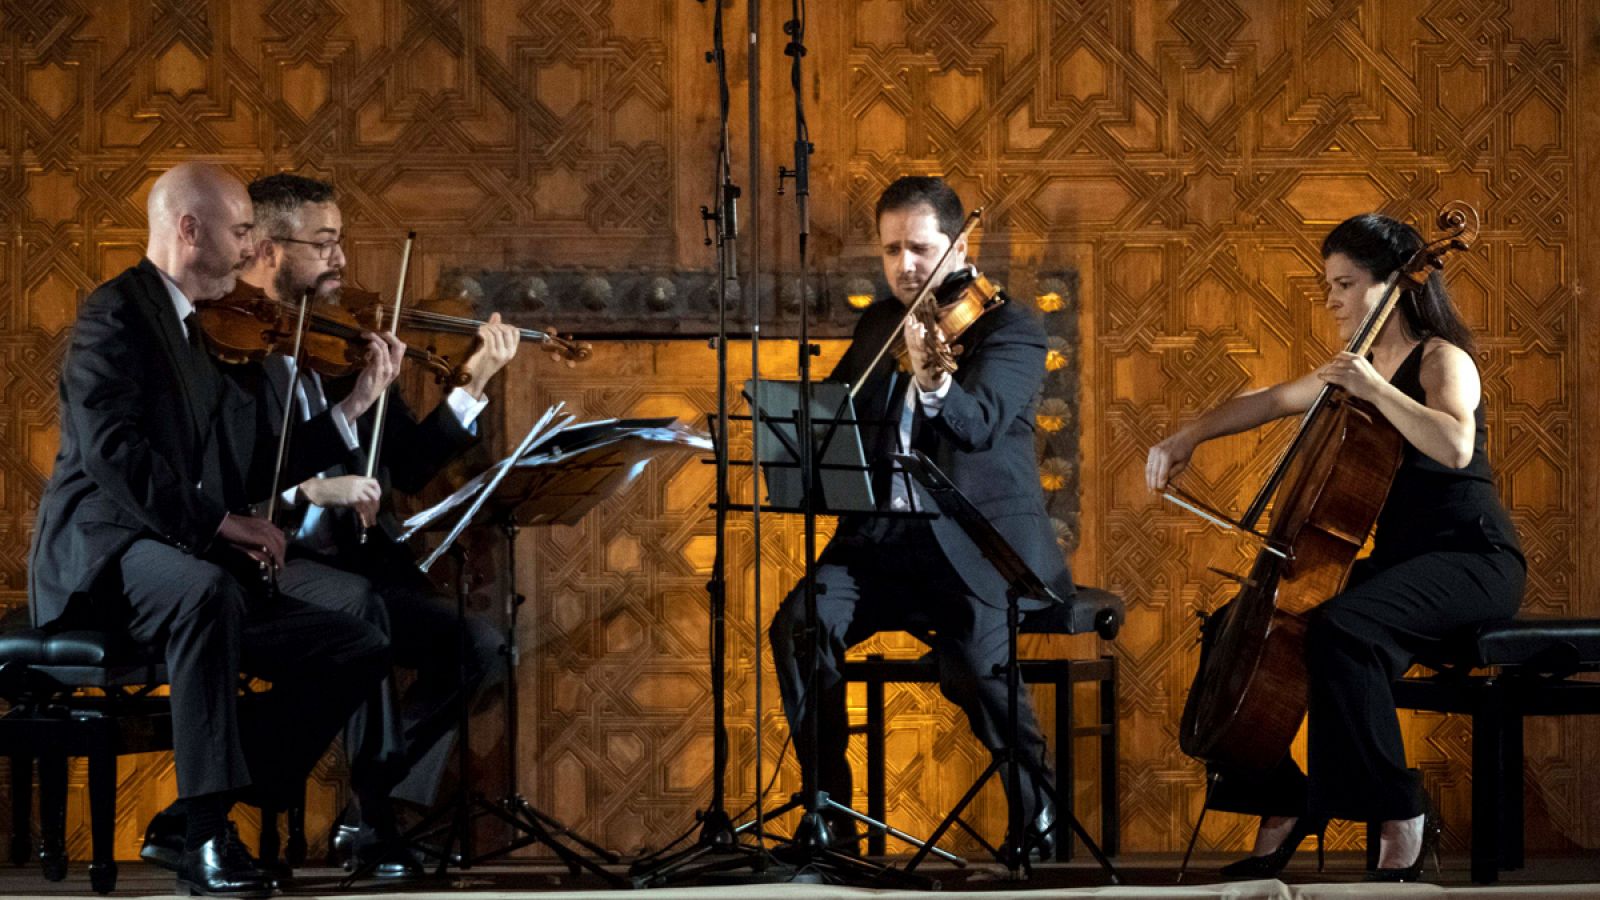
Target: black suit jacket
[983,438]
[154,444]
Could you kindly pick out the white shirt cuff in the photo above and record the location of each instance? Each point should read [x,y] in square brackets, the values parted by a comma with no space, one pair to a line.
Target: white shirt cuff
[465,407]
[341,423]
[933,401]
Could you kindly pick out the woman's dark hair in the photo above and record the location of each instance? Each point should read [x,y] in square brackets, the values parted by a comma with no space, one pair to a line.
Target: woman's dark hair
[1381,245]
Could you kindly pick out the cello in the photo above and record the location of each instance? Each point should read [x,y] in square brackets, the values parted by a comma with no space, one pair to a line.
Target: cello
[1249,692]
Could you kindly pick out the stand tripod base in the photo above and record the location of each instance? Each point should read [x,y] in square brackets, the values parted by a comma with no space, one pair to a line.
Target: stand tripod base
[1015,852]
[534,826]
[814,848]
[538,827]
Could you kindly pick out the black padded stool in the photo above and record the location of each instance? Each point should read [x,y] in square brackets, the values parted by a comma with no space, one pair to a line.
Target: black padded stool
[75,693]
[1091,609]
[1534,660]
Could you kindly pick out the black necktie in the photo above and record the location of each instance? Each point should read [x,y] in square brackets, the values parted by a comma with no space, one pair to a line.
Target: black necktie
[191,325]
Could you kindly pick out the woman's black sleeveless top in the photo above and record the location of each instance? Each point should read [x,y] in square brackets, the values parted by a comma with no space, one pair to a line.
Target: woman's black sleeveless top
[1432,507]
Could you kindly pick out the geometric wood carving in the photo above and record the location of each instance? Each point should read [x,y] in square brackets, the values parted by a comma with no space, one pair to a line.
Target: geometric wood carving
[1183,159]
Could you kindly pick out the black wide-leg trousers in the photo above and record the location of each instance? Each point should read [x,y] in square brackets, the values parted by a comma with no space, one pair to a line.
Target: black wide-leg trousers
[904,583]
[1357,644]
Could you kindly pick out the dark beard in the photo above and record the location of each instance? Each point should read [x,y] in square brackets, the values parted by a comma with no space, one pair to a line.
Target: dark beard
[284,288]
[283,285]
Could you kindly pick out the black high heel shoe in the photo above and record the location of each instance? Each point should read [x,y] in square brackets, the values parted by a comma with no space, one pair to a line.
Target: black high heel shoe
[1430,847]
[1270,865]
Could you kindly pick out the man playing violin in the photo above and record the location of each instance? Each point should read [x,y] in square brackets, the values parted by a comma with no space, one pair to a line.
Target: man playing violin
[916,574]
[397,746]
[142,528]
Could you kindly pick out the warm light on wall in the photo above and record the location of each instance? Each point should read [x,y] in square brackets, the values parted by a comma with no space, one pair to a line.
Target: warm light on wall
[859,301]
[1058,356]
[1053,473]
[1053,415]
[1050,302]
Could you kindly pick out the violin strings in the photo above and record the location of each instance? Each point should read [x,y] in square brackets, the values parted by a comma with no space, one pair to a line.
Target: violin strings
[466,325]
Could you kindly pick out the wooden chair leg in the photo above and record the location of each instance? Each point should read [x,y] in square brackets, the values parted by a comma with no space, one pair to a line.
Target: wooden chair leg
[53,816]
[1488,777]
[1066,764]
[1110,795]
[294,846]
[1511,799]
[21,809]
[103,817]
[267,846]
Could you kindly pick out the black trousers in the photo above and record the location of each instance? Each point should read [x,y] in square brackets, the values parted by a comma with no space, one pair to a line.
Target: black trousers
[212,627]
[399,743]
[902,582]
[1357,644]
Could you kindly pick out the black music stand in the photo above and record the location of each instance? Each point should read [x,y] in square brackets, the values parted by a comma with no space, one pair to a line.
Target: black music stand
[560,491]
[1021,582]
[840,485]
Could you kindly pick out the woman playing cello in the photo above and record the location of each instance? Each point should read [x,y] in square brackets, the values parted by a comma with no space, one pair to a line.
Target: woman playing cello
[1445,557]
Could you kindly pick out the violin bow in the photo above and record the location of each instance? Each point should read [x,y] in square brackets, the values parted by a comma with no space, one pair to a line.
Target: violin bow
[298,358]
[383,398]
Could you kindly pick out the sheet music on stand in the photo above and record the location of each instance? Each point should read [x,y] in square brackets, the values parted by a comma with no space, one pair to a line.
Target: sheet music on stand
[559,471]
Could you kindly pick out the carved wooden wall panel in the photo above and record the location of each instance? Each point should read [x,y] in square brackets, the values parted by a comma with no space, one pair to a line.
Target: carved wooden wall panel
[1182,157]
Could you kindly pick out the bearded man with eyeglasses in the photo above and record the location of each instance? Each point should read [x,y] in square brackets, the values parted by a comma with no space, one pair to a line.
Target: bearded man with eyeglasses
[398,745]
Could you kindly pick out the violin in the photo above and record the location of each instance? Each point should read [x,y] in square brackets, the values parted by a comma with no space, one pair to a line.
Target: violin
[444,328]
[955,305]
[247,325]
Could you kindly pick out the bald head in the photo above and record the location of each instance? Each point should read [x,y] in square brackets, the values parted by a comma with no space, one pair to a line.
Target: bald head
[200,224]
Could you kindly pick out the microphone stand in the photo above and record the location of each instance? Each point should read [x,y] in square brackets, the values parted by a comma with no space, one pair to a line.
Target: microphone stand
[718,836]
[811,847]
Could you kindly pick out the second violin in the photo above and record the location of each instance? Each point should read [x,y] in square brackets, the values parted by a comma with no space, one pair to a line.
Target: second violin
[247,325]
[445,328]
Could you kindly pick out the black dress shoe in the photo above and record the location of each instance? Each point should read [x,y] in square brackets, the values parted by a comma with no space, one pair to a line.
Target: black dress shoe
[221,868]
[358,847]
[341,844]
[163,840]
[1040,836]
[392,858]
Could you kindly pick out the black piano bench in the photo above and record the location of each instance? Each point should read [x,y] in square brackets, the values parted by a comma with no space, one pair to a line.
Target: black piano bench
[1091,609]
[75,693]
[1524,667]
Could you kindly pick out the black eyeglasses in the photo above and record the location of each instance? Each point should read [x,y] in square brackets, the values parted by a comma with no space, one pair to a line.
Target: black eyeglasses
[323,249]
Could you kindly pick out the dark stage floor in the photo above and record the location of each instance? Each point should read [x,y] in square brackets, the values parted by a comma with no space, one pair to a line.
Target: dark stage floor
[1143,876]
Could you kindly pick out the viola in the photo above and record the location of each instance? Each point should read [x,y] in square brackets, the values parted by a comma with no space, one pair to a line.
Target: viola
[247,325]
[954,307]
[445,329]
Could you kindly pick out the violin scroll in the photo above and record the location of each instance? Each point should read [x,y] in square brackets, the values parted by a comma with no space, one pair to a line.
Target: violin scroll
[567,350]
